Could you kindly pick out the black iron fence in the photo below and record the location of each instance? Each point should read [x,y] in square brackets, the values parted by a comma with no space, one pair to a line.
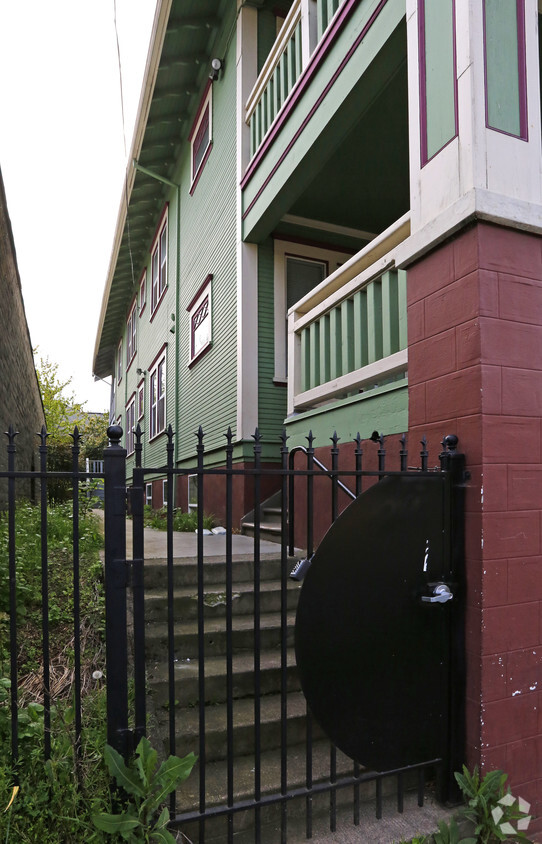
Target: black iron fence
[241,669]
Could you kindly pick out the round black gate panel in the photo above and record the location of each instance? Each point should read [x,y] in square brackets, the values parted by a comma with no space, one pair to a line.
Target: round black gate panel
[372,656]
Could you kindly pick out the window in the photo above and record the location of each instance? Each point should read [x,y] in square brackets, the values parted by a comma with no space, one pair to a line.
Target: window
[140,401]
[131,335]
[159,266]
[130,425]
[200,312]
[192,493]
[143,292]
[148,495]
[119,362]
[164,493]
[157,398]
[299,268]
[201,135]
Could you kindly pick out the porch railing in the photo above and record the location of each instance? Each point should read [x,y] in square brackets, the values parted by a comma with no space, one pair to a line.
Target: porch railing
[301,31]
[350,332]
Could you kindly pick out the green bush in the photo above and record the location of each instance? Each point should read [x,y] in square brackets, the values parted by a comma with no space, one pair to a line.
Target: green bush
[184,522]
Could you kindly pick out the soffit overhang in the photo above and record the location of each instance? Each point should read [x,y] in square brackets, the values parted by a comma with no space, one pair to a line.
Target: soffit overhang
[183,37]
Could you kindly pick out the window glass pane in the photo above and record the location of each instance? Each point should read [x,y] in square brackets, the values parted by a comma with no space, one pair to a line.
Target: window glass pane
[163,259]
[201,141]
[301,277]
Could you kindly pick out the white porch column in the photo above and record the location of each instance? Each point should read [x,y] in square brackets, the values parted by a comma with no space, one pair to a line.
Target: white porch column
[474,113]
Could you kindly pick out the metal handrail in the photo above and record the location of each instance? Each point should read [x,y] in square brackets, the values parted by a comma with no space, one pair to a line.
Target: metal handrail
[332,475]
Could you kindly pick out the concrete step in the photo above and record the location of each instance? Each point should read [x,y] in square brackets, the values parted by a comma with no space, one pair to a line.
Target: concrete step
[185,571]
[187,683]
[185,601]
[243,734]
[244,789]
[186,635]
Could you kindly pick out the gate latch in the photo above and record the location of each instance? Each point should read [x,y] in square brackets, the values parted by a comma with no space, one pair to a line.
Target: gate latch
[441,594]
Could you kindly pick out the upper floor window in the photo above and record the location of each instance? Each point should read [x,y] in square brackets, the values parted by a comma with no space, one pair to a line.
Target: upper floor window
[201,135]
[140,401]
[157,397]
[143,292]
[130,425]
[159,265]
[119,362]
[131,334]
[200,312]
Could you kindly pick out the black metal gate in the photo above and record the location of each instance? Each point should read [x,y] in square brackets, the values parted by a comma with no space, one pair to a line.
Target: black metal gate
[228,686]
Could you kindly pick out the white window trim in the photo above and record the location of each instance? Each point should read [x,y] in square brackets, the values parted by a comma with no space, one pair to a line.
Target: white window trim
[165,492]
[162,262]
[147,497]
[283,250]
[205,293]
[206,104]
[119,362]
[129,436]
[131,334]
[153,433]
[140,400]
[142,299]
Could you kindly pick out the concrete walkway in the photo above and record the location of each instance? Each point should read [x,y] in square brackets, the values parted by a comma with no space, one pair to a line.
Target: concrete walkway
[185,545]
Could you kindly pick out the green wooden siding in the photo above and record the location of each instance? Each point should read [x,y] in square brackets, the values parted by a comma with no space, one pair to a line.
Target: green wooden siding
[385,409]
[502,67]
[208,389]
[271,397]
[439,72]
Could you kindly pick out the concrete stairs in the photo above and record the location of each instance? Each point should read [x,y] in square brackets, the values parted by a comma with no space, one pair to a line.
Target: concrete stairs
[270,519]
[187,693]
[216,744]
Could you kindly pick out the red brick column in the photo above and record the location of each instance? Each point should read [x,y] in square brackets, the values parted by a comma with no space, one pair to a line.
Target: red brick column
[475,369]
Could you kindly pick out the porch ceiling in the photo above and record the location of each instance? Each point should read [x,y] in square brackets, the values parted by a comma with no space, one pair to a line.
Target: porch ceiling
[364,183]
[182,43]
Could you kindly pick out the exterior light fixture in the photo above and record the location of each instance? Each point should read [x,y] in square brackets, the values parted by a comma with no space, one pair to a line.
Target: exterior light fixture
[216,66]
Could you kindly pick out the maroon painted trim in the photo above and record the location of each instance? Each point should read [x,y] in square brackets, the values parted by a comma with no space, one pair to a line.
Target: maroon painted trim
[314,63]
[200,354]
[157,358]
[159,302]
[422,82]
[199,291]
[317,244]
[130,400]
[157,231]
[424,157]
[199,111]
[200,169]
[142,277]
[522,76]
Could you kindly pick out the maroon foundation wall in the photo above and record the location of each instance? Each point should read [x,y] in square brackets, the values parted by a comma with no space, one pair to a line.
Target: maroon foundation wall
[322,488]
[475,369]
[243,492]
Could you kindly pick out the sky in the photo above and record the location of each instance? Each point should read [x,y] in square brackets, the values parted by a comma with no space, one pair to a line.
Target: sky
[63,161]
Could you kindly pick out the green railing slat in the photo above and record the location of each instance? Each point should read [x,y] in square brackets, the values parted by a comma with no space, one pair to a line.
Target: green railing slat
[402,307]
[314,363]
[347,332]
[335,342]
[324,349]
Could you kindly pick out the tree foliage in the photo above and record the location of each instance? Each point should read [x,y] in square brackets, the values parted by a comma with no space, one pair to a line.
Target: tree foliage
[63,413]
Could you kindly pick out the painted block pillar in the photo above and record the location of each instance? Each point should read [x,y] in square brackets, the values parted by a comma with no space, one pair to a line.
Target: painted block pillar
[474,289]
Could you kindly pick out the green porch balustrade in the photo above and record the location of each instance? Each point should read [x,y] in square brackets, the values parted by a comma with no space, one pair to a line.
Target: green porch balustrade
[302,29]
[367,327]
